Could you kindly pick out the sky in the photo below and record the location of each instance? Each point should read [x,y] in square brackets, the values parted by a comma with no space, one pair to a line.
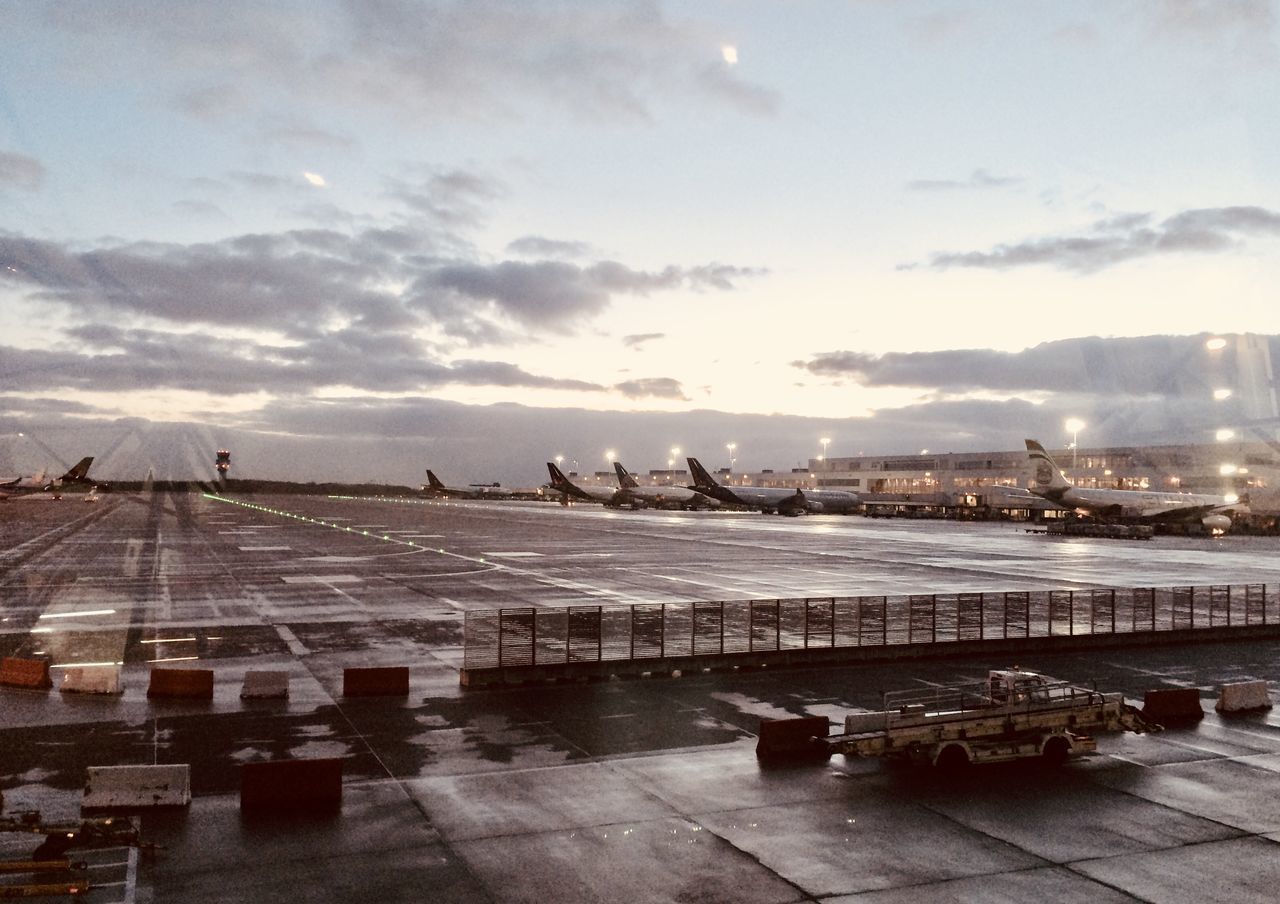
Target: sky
[353,240]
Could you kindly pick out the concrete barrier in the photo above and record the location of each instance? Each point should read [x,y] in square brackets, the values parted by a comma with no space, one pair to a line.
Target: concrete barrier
[1243,696]
[262,684]
[186,684]
[115,787]
[281,787]
[1178,704]
[91,679]
[33,673]
[792,739]
[376,682]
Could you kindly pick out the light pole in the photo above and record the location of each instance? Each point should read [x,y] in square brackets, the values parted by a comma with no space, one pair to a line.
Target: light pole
[826,441]
[732,447]
[1075,425]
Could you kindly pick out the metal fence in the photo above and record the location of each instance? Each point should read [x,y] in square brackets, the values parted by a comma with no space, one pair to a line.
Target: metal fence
[517,637]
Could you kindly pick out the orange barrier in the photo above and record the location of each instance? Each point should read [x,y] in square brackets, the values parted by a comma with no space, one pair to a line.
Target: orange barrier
[186,684]
[1178,704]
[279,787]
[376,682]
[25,672]
[792,739]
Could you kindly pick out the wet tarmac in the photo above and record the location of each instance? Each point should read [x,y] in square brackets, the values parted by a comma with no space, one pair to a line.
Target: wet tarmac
[640,790]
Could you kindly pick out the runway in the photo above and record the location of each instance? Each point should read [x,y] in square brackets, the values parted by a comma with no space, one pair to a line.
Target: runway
[645,789]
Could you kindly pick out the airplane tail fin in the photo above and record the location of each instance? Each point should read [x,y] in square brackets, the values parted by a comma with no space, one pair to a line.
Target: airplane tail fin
[78,473]
[700,476]
[625,480]
[558,480]
[433,481]
[1048,476]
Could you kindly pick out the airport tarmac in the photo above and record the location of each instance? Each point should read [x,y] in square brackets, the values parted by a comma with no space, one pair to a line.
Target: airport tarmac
[641,790]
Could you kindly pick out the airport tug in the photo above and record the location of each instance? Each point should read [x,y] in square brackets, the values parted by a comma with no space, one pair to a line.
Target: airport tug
[1015,714]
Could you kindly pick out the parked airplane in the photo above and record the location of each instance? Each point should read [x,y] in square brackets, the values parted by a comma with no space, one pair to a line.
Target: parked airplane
[436,487]
[633,493]
[1049,482]
[774,499]
[39,483]
[562,484]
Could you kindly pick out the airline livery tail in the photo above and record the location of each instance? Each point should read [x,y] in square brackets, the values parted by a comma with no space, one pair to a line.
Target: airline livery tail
[433,481]
[625,480]
[700,476]
[1049,478]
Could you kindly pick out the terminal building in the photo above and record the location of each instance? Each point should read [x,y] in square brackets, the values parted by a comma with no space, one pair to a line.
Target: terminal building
[994,484]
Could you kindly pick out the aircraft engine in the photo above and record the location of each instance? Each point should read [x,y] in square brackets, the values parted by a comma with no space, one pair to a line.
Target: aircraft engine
[1216,524]
[815,508]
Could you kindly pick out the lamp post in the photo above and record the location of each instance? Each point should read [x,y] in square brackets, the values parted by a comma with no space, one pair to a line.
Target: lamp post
[1075,425]
[826,441]
[732,447]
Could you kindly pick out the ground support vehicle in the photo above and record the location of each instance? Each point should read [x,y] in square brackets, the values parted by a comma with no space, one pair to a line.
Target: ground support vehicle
[1014,714]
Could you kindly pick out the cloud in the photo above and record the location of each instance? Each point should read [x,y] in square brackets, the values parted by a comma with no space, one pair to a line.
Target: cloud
[111,359]
[20,171]
[978,179]
[1158,375]
[552,294]
[425,60]
[451,198]
[635,340]
[537,246]
[652,387]
[199,209]
[211,103]
[1120,239]
[307,136]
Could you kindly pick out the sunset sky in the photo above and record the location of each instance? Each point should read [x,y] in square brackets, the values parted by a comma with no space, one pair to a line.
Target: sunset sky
[358,239]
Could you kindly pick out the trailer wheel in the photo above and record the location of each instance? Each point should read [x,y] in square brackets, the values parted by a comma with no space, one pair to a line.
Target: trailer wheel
[1056,750]
[953,758]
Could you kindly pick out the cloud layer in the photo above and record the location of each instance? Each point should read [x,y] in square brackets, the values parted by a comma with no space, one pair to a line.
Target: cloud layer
[1117,240]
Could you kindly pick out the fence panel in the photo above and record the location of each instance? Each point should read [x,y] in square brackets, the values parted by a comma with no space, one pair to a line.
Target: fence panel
[922,623]
[819,623]
[946,615]
[1017,614]
[551,635]
[1062,612]
[515,637]
[615,630]
[1102,612]
[873,621]
[677,629]
[1144,608]
[737,626]
[708,628]
[1219,605]
[791,616]
[647,629]
[584,634]
[480,639]
[1255,604]
[764,625]
[1182,607]
[845,621]
[969,616]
